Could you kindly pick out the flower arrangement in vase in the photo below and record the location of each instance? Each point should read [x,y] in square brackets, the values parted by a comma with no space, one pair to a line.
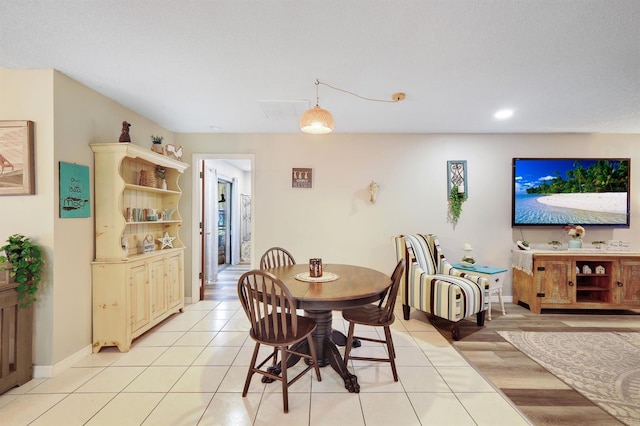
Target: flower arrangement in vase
[575,232]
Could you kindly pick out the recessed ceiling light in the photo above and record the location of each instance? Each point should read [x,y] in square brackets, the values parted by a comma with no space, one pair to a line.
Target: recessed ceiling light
[503,114]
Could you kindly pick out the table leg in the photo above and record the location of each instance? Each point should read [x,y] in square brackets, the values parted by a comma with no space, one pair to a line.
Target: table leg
[490,291]
[339,338]
[501,302]
[327,351]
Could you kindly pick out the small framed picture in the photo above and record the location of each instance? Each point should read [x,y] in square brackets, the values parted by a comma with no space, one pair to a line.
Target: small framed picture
[17,176]
[301,177]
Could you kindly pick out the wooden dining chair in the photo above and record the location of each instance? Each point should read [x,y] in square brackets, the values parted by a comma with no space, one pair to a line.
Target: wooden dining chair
[380,315]
[276,256]
[271,310]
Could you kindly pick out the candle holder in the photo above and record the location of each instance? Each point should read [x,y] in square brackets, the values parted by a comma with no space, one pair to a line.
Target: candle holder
[315,267]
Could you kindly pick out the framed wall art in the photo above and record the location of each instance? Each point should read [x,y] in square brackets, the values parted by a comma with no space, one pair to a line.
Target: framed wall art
[301,178]
[74,190]
[17,174]
[457,176]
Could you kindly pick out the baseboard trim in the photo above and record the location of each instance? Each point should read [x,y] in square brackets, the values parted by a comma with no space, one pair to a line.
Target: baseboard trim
[48,371]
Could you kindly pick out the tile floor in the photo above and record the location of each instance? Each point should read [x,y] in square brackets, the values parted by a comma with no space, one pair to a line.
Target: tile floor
[190,370]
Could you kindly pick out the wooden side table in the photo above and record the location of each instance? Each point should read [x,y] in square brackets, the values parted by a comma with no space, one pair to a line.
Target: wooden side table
[495,277]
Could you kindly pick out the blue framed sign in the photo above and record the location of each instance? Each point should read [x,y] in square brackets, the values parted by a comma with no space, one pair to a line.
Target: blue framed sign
[75,200]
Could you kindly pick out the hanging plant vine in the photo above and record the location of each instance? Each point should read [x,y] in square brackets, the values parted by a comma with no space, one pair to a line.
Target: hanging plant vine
[455,203]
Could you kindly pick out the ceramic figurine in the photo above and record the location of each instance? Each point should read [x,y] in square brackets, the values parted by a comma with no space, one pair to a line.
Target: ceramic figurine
[124,136]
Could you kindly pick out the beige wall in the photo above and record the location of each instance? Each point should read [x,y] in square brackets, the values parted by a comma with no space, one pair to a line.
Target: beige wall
[68,116]
[28,95]
[334,220]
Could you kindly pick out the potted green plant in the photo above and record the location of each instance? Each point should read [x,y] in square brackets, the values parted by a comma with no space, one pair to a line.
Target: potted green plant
[26,263]
[156,142]
[456,199]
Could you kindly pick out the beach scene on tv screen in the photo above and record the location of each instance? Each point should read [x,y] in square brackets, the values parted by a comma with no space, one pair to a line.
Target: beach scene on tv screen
[558,191]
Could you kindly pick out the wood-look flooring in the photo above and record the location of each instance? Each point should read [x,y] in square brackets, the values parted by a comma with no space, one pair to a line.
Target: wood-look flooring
[544,398]
[225,287]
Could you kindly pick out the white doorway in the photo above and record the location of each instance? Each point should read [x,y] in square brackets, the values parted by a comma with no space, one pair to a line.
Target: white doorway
[222,183]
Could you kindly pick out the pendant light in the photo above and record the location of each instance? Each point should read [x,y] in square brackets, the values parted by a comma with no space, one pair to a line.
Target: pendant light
[319,121]
[316,121]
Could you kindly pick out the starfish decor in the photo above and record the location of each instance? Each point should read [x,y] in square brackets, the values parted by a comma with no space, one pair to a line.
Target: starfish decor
[166,241]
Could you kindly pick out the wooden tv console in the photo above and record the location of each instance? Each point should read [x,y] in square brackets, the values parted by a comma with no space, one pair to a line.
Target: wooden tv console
[577,280]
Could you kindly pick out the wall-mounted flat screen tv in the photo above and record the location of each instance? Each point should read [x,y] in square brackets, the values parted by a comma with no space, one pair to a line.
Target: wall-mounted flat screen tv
[563,191]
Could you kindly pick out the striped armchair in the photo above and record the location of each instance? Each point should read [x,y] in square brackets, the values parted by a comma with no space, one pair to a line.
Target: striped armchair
[430,284]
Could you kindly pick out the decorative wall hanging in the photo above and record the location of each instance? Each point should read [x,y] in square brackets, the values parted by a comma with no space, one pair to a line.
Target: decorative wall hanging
[373,192]
[17,176]
[456,188]
[75,193]
[301,178]
[457,176]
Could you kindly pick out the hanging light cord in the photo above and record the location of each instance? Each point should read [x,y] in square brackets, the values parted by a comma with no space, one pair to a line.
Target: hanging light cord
[396,97]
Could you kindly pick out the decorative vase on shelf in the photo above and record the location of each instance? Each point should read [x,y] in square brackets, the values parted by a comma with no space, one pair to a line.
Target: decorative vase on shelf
[169,213]
[576,243]
[164,184]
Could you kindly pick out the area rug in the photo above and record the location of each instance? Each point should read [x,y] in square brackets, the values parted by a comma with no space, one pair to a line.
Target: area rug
[603,366]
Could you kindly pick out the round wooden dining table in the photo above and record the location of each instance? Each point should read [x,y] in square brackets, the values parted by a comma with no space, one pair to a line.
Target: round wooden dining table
[351,286]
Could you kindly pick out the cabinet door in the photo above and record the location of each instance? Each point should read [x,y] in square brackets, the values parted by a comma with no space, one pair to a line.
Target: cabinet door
[158,288]
[174,279]
[139,296]
[627,288]
[555,280]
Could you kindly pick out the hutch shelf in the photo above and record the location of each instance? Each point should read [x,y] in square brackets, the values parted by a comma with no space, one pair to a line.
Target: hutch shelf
[136,282]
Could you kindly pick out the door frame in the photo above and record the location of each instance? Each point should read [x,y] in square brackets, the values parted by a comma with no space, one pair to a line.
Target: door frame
[196,207]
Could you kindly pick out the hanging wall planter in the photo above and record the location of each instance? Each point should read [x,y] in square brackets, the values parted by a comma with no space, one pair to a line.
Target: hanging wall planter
[457,187]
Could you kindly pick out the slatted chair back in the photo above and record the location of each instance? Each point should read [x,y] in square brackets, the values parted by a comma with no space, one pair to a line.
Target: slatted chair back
[375,316]
[276,256]
[389,300]
[269,306]
[271,310]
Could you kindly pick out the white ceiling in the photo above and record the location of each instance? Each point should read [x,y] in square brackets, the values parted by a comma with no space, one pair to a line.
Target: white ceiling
[205,65]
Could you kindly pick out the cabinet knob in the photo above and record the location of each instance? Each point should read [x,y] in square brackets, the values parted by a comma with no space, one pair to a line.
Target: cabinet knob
[571,284]
[619,284]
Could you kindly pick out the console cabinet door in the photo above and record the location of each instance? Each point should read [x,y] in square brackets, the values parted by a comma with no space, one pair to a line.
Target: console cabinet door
[556,280]
[139,296]
[627,288]
[158,288]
